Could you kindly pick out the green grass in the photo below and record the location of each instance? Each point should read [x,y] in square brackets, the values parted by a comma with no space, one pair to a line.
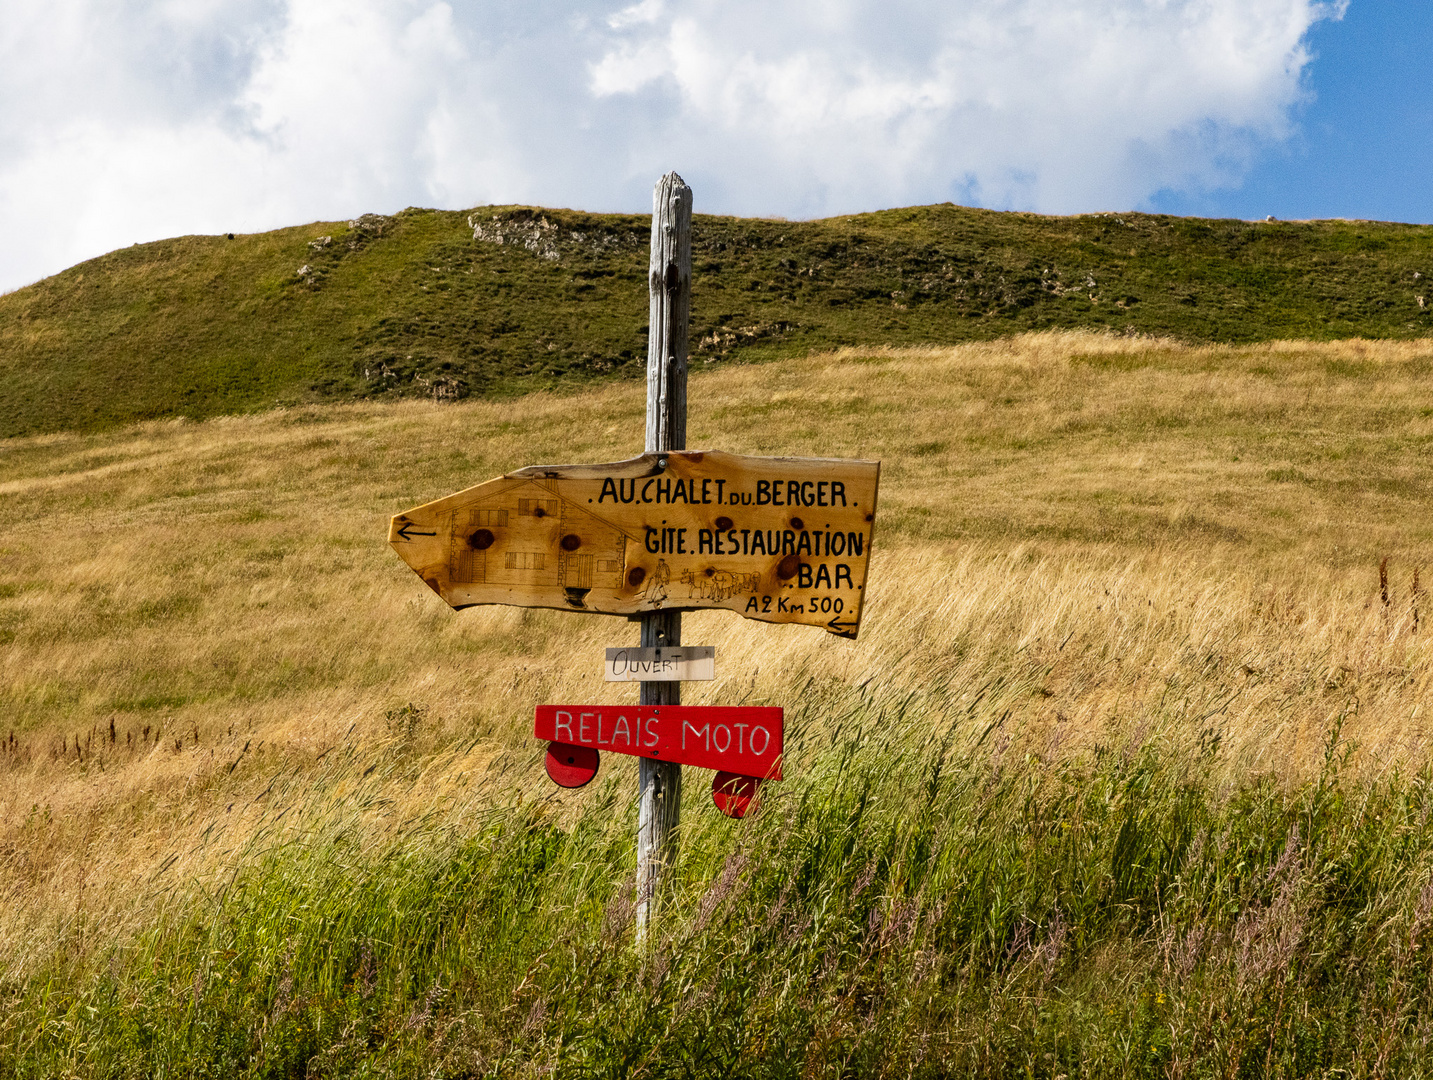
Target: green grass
[414,305]
[911,905]
[1083,800]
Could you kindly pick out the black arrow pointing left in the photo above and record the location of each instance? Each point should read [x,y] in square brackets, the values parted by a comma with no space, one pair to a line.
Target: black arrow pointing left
[407,532]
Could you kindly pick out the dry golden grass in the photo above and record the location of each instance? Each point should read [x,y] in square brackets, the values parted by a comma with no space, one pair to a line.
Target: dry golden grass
[205,641]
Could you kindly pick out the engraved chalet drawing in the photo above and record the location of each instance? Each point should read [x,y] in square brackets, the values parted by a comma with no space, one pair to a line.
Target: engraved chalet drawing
[506,538]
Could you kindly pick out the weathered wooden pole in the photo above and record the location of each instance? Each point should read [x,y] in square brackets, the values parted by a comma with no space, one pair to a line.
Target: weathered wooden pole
[659,783]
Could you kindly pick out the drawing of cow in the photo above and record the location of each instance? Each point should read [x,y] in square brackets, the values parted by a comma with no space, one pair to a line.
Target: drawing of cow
[719,585]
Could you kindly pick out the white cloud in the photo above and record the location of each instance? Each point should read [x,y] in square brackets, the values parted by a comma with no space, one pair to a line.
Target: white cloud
[645,12]
[130,120]
[1014,102]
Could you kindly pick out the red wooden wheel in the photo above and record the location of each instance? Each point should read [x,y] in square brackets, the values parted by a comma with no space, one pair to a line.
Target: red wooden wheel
[734,794]
[571,766]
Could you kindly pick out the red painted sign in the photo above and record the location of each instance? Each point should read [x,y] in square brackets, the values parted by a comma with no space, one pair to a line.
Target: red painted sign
[742,739]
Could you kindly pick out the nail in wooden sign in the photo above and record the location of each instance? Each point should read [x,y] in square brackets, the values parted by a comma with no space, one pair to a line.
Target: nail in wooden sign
[680,663]
[784,540]
[741,739]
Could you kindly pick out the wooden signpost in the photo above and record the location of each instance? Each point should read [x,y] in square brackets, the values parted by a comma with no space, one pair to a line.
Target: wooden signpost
[745,740]
[783,540]
[689,663]
[776,539]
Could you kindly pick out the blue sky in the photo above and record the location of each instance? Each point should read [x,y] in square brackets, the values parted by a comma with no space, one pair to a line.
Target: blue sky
[1363,147]
[123,121]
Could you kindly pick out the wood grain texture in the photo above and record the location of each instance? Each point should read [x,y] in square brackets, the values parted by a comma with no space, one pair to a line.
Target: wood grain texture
[669,313]
[785,540]
[669,290]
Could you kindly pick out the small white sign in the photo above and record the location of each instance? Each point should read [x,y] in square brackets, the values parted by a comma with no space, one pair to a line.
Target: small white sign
[682,663]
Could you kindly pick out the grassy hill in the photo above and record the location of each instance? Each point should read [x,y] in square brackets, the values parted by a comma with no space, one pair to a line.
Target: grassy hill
[502,300]
[1126,775]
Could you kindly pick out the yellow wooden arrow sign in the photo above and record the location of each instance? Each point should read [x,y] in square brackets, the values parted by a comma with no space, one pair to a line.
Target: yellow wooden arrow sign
[778,539]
